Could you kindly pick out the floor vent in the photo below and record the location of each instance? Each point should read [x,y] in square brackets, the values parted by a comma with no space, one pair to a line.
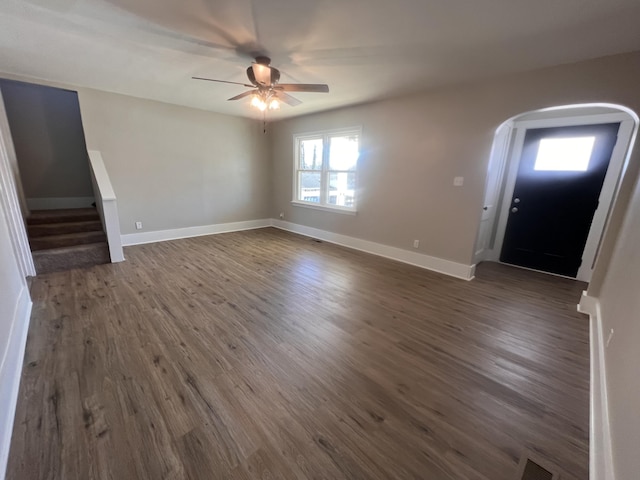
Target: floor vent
[533,471]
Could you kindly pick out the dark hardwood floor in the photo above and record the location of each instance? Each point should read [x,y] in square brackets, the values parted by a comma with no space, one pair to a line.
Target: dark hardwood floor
[266,355]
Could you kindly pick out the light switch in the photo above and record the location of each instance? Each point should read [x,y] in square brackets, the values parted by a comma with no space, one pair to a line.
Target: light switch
[458,181]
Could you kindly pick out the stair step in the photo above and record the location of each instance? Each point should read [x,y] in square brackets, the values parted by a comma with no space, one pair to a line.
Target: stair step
[45,229]
[66,240]
[68,258]
[38,217]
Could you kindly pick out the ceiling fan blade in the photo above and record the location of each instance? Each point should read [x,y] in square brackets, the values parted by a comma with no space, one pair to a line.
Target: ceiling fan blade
[288,99]
[242,95]
[302,87]
[222,81]
[262,73]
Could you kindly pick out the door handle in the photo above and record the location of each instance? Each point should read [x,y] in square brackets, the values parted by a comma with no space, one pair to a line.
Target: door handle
[485,208]
[514,209]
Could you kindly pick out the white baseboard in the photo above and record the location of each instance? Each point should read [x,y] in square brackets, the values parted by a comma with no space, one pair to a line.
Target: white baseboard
[454,269]
[177,233]
[458,270]
[588,305]
[10,373]
[600,453]
[55,203]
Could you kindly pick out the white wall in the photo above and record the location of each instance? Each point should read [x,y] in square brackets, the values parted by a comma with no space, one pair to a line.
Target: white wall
[175,167]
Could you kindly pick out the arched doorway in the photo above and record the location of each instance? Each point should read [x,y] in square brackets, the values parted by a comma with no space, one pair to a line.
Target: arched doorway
[514,140]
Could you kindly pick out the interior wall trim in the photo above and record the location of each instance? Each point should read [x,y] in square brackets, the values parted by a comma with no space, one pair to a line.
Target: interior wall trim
[187,232]
[448,267]
[600,453]
[10,373]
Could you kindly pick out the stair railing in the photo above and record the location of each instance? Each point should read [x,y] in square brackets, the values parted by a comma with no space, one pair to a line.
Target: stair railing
[106,204]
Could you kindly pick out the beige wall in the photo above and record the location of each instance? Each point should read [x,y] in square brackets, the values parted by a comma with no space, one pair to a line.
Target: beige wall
[47,134]
[173,167]
[620,311]
[412,149]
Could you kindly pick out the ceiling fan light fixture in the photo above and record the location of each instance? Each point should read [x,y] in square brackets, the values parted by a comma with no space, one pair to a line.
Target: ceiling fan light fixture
[266,91]
[259,103]
[274,104]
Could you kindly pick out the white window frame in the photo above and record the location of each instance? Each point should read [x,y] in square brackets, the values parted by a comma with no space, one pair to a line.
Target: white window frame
[325,135]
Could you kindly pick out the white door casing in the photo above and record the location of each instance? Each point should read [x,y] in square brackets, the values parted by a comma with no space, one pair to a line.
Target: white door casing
[10,198]
[507,176]
[495,173]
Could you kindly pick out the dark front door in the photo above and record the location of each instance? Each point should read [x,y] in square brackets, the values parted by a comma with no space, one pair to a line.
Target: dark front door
[555,196]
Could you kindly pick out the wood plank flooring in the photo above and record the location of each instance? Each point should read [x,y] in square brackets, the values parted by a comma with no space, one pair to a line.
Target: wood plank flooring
[266,355]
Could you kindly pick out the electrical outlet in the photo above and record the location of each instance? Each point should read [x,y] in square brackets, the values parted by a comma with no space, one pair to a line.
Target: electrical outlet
[138,225]
[458,181]
[416,243]
[281,215]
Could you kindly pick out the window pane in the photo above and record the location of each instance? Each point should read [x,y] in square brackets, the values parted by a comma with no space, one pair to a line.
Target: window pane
[309,187]
[311,154]
[342,189]
[564,154]
[343,152]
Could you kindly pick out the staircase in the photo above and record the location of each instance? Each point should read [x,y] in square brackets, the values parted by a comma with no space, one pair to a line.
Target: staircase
[65,239]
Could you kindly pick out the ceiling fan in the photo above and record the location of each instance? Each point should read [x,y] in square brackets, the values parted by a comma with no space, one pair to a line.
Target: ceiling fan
[265,90]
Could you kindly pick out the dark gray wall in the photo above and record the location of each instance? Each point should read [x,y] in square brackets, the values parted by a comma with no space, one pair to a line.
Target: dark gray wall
[46,128]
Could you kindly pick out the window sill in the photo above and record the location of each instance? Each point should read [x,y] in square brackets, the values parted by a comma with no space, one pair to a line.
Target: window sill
[344,211]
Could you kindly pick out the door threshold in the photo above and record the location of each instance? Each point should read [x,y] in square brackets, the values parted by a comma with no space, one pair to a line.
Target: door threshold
[540,271]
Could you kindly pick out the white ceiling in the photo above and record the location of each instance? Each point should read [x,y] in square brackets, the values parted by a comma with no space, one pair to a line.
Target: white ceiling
[364,49]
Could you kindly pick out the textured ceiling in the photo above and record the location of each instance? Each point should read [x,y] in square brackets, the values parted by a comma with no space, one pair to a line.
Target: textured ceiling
[364,49]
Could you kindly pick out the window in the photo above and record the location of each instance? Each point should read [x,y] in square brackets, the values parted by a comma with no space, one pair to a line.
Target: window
[564,154]
[325,169]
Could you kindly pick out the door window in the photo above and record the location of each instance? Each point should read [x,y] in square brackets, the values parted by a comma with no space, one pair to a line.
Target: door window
[564,154]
